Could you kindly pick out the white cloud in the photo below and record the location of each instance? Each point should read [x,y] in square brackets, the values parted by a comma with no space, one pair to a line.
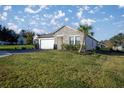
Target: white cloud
[36,17]
[69,10]
[39,31]
[13,27]
[66,19]
[122,15]
[111,16]
[60,14]
[86,7]
[44,23]
[32,22]
[79,13]
[19,19]
[121,31]
[53,22]
[75,24]
[95,9]
[20,12]
[47,15]
[108,18]
[3,16]
[29,9]
[91,12]
[105,19]
[87,21]
[101,6]
[57,16]
[7,8]
[121,6]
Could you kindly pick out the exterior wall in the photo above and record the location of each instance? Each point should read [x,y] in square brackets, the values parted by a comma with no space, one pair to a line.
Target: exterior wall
[65,32]
[90,43]
[35,39]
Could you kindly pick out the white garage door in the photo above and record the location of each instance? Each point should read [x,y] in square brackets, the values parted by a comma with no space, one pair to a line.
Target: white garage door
[47,43]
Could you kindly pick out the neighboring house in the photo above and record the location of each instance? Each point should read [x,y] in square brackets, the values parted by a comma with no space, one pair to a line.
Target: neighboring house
[64,35]
[21,40]
[4,43]
[101,45]
[119,47]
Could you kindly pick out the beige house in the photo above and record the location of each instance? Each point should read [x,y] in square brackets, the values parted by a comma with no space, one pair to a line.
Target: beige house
[65,35]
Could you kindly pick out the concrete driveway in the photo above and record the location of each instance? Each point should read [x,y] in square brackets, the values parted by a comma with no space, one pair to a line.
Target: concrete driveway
[4,53]
[12,52]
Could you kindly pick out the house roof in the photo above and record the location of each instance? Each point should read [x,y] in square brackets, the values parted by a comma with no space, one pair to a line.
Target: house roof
[65,26]
[46,35]
[93,38]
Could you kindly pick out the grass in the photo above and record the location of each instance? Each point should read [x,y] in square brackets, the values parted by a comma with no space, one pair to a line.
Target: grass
[15,47]
[61,69]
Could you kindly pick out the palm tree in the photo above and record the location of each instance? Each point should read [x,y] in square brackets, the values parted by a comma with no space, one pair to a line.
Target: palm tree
[86,30]
[92,33]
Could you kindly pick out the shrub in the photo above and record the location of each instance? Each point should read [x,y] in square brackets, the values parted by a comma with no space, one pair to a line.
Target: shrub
[97,48]
[70,47]
[23,48]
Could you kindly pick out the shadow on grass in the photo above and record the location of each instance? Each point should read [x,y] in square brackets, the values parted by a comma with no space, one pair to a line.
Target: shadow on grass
[110,52]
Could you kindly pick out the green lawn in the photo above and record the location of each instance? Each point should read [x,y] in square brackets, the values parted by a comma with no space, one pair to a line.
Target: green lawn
[15,47]
[61,69]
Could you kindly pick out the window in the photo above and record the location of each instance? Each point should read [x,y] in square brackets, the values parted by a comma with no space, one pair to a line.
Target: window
[74,40]
[71,40]
[77,40]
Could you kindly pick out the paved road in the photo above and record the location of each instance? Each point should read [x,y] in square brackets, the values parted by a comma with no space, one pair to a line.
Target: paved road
[7,53]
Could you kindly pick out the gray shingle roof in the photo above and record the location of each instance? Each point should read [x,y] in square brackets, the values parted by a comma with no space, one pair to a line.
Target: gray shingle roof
[46,35]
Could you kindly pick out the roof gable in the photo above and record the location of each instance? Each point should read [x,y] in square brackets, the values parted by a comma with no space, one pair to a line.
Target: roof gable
[65,27]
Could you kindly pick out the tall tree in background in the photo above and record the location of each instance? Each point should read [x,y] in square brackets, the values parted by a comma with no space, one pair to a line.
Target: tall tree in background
[7,35]
[86,30]
[29,37]
[117,39]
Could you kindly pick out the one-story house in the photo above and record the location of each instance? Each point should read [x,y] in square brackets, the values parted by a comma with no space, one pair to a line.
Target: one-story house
[64,35]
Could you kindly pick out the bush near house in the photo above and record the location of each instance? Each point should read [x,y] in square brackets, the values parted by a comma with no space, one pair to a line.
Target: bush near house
[69,47]
[16,47]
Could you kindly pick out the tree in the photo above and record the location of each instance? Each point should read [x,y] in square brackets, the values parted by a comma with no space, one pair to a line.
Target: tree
[117,39]
[29,37]
[86,30]
[108,43]
[7,35]
[92,33]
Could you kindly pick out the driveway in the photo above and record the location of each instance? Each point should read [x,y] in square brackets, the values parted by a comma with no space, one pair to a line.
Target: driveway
[23,51]
[12,52]
[4,53]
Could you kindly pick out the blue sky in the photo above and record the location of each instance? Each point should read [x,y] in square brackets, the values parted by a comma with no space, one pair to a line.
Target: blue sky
[106,20]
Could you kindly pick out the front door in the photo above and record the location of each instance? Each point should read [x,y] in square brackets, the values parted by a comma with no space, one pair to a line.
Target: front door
[59,42]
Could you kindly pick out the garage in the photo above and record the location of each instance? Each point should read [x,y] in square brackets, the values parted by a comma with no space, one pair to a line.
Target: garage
[46,43]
